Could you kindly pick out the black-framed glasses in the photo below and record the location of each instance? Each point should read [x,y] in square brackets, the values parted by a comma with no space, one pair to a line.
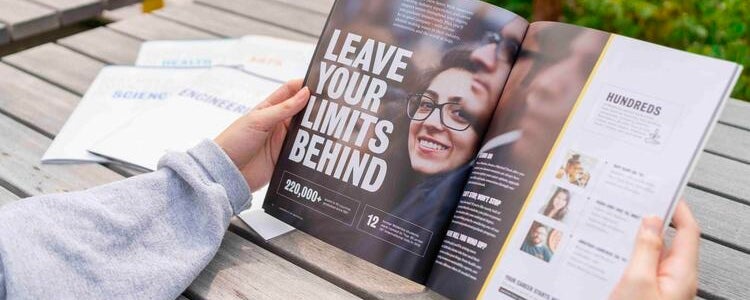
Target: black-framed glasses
[452,114]
[505,49]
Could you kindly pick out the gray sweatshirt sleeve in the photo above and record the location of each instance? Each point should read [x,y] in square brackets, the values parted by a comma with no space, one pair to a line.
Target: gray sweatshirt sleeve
[145,237]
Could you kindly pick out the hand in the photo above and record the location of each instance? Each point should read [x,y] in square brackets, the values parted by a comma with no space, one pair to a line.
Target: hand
[652,274]
[254,141]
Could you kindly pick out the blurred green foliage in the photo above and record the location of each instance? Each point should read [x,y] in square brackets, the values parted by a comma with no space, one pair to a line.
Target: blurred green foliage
[710,27]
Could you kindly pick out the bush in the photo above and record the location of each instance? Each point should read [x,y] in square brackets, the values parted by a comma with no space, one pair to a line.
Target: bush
[709,27]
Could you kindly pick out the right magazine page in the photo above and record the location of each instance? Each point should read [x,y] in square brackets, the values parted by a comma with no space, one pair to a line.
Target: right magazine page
[593,131]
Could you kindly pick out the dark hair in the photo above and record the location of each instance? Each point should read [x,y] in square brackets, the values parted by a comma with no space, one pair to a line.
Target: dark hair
[456,58]
[560,213]
[574,159]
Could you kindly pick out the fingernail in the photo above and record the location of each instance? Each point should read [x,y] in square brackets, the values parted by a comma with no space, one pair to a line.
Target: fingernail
[652,224]
[301,93]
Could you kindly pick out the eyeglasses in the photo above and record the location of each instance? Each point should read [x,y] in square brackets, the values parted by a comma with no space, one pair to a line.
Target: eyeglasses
[452,114]
[505,49]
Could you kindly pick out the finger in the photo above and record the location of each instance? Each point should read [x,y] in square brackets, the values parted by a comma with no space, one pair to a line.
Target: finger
[282,93]
[267,118]
[687,239]
[644,263]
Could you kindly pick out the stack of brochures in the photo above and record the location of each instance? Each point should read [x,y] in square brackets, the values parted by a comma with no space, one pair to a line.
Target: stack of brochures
[177,94]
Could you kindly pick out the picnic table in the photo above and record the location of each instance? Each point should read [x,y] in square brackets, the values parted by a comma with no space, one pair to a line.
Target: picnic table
[40,87]
[20,19]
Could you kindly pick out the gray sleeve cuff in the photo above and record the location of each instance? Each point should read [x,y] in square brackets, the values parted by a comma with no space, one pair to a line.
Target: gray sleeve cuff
[223,171]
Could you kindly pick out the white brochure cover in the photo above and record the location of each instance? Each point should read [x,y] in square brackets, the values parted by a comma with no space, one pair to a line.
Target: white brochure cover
[187,53]
[275,58]
[117,94]
[201,109]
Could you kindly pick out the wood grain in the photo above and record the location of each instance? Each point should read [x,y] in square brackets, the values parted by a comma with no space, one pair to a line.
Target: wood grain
[225,24]
[273,12]
[6,197]
[722,176]
[72,11]
[737,113]
[4,37]
[24,19]
[322,7]
[722,271]
[28,98]
[114,4]
[730,141]
[91,43]
[75,72]
[150,27]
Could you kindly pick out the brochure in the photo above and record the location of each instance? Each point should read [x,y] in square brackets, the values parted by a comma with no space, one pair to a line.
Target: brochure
[274,58]
[117,94]
[457,145]
[202,108]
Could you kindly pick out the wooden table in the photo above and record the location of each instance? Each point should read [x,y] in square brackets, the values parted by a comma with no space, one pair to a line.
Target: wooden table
[23,18]
[40,87]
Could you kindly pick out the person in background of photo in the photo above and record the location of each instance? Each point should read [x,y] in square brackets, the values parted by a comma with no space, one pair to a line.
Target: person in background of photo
[447,116]
[557,206]
[496,54]
[536,242]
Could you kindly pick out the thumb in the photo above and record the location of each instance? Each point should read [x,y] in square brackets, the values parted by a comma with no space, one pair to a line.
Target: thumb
[266,118]
[647,252]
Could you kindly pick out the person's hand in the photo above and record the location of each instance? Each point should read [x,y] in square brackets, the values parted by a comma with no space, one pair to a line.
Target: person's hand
[673,274]
[254,141]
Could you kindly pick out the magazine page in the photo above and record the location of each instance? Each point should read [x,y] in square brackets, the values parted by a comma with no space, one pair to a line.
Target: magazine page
[402,91]
[271,57]
[593,132]
[117,94]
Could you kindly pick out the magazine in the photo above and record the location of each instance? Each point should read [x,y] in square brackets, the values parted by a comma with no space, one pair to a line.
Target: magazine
[460,146]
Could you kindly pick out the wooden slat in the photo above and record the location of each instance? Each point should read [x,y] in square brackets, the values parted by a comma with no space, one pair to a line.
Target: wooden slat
[273,12]
[20,166]
[319,6]
[72,11]
[722,176]
[737,113]
[722,271]
[149,27]
[114,4]
[25,19]
[28,98]
[4,37]
[241,270]
[714,214]
[75,72]
[246,264]
[6,196]
[731,142]
[104,44]
[345,269]
[225,24]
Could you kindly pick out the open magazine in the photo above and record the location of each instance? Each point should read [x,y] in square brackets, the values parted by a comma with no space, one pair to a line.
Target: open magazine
[457,145]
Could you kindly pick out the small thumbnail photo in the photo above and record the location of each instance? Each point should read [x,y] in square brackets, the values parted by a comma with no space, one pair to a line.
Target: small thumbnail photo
[557,204]
[576,169]
[541,241]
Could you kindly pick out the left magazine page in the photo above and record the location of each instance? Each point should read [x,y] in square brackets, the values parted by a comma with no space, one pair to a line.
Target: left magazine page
[401,94]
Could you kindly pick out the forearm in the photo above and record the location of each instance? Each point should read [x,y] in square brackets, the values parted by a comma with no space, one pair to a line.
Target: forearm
[144,237]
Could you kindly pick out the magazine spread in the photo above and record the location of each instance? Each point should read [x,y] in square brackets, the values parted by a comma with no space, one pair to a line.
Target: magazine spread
[457,145]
